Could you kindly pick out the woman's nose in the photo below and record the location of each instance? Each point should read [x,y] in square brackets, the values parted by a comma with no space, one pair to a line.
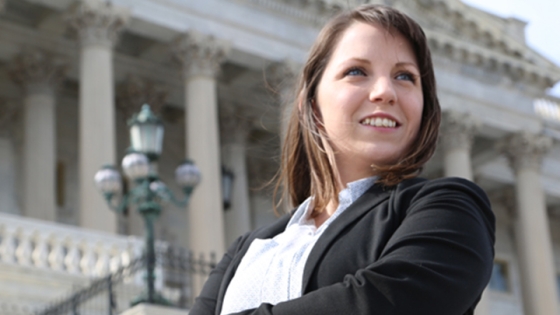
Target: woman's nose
[383,91]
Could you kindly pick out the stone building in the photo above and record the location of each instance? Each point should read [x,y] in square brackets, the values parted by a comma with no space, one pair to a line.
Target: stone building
[219,73]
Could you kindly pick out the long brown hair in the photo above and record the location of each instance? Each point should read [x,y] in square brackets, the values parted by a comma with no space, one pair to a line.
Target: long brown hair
[306,169]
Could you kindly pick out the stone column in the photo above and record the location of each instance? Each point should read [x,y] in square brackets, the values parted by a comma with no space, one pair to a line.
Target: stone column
[525,152]
[456,135]
[282,78]
[38,72]
[235,125]
[200,56]
[7,159]
[97,24]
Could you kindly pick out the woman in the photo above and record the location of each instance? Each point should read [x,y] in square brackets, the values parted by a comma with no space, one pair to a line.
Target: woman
[368,236]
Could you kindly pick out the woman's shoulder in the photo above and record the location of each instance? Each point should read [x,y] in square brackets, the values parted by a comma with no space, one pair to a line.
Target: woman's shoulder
[425,193]
[443,185]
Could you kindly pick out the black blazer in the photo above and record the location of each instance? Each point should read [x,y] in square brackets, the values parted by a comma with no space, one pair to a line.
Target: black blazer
[422,247]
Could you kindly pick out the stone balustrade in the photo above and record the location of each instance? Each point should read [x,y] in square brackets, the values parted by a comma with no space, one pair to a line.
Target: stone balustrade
[62,248]
[548,108]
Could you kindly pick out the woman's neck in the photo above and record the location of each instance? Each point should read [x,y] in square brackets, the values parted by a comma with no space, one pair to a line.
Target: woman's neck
[325,214]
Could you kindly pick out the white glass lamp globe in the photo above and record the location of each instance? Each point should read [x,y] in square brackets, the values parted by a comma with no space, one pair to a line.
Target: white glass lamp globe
[136,165]
[108,180]
[187,174]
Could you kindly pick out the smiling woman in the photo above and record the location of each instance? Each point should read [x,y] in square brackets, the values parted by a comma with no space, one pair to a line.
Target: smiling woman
[367,235]
[369,100]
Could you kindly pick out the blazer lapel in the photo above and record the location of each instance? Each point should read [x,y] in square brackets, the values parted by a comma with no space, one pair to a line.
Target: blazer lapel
[369,200]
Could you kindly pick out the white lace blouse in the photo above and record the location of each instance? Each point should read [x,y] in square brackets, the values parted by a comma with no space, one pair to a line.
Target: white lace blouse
[272,269]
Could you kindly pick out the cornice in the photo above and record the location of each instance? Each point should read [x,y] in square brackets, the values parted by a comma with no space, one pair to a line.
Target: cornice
[481,25]
[315,12]
[514,68]
[484,38]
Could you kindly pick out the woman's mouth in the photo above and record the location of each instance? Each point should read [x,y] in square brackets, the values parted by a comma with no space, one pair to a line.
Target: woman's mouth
[379,122]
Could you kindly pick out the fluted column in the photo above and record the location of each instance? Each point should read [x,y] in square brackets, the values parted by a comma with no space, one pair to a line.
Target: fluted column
[234,126]
[7,159]
[97,24]
[38,72]
[200,56]
[456,134]
[525,152]
[282,78]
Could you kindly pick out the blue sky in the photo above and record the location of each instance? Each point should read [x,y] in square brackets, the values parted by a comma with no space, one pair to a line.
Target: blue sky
[543,24]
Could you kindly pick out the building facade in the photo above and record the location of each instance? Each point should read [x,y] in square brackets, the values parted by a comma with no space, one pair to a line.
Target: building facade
[221,73]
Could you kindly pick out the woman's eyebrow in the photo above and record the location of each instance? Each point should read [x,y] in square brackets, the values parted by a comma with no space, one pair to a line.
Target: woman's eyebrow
[407,63]
[354,59]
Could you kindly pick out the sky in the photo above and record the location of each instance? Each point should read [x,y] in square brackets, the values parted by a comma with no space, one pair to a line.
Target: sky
[543,24]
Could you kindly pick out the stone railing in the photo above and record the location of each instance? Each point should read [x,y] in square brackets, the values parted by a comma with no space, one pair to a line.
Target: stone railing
[548,108]
[62,248]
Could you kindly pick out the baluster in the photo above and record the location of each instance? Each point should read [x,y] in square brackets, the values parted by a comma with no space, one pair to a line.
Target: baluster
[115,262]
[8,245]
[87,263]
[24,249]
[137,248]
[137,252]
[158,273]
[72,259]
[56,256]
[41,252]
[102,265]
[125,260]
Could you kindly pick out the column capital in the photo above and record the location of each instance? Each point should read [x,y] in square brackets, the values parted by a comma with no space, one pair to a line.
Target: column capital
[136,91]
[199,54]
[7,116]
[38,70]
[235,123]
[97,22]
[525,150]
[283,74]
[457,130]
[508,199]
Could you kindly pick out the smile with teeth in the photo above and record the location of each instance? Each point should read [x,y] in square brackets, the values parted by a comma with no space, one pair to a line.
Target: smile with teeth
[379,122]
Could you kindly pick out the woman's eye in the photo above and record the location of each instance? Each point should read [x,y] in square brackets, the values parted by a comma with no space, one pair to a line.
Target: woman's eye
[406,76]
[355,71]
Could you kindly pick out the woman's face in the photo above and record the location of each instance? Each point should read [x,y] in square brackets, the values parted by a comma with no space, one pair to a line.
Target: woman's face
[370,99]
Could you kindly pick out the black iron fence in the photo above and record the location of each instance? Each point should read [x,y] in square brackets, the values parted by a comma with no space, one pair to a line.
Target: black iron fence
[178,274]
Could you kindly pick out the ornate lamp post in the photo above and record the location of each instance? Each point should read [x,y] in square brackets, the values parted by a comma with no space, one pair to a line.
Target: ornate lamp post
[148,192]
